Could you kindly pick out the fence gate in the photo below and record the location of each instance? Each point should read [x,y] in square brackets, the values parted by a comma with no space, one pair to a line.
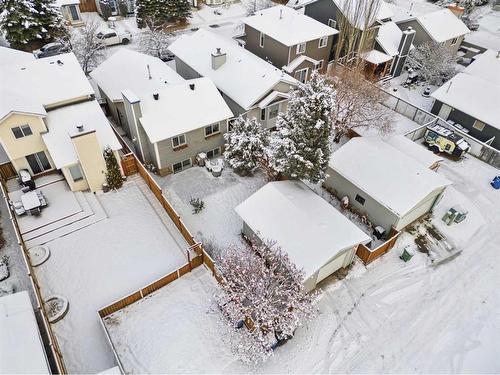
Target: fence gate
[129,165]
[7,171]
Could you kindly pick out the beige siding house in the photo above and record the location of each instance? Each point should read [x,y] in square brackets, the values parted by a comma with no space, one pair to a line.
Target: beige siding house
[171,126]
[289,40]
[250,86]
[50,121]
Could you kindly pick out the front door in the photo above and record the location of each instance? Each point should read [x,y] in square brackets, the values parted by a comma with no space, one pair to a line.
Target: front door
[38,162]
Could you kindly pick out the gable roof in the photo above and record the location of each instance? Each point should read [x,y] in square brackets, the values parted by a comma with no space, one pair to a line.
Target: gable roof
[389,176]
[14,101]
[128,69]
[416,151]
[244,77]
[62,124]
[442,25]
[10,56]
[302,223]
[475,91]
[47,81]
[173,114]
[388,37]
[288,26]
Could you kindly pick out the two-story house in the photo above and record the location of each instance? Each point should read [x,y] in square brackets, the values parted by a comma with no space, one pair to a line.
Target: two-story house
[172,125]
[290,40]
[441,26]
[50,121]
[250,86]
[135,71]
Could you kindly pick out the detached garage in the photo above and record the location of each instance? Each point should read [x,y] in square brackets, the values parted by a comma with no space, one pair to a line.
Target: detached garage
[317,238]
[387,185]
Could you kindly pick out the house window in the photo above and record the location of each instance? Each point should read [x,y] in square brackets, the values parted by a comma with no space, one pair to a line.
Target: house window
[38,162]
[230,124]
[332,23]
[212,129]
[301,48]
[76,173]
[454,41]
[301,75]
[319,65]
[323,42]
[263,114]
[21,131]
[273,110]
[178,141]
[359,199]
[177,167]
[261,40]
[213,153]
[478,125]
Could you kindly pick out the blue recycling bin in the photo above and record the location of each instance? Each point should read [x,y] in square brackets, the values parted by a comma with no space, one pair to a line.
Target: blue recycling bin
[495,183]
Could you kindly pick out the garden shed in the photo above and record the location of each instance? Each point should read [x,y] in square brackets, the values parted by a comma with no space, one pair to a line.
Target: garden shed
[384,183]
[316,237]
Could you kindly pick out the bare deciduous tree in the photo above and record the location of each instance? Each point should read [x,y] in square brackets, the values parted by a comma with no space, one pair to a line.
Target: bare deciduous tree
[87,47]
[155,39]
[358,105]
[253,6]
[435,62]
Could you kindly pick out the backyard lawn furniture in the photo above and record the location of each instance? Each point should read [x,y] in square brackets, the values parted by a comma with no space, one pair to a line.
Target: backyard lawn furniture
[33,202]
[24,178]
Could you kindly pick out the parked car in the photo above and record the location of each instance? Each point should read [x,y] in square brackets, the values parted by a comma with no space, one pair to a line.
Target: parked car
[51,49]
[111,37]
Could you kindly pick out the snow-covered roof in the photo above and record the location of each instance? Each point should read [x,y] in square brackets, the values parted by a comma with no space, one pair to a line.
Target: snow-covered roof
[173,113]
[486,66]
[288,26]
[21,347]
[10,56]
[375,57]
[296,4]
[295,63]
[128,69]
[274,96]
[442,25]
[13,100]
[47,81]
[61,3]
[62,125]
[389,176]
[389,36]
[472,95]
[414,150]
[243,77]
[302,223]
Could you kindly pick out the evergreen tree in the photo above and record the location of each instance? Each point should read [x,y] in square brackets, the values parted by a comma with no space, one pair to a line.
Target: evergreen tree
[180,10]
[49,18]
[145,11]
[245,144]
[19,24]
[161,11]
[301,147]
[113,174]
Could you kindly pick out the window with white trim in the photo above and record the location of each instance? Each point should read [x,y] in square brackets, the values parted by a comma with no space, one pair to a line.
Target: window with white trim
[332,23]
[212,129]
[21,131]
[230,124]
[323,42]
[273,111]
[76,172]
[301,48]
[213,153]
[179,140]
[478,125]
[319,65]
[454,41]
[262,37]
[360,199]
[177,167]
[263,114]
[301,75]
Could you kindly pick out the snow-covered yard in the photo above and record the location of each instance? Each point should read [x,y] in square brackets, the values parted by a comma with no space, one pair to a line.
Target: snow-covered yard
[218,221]
[390,316]
[101,263]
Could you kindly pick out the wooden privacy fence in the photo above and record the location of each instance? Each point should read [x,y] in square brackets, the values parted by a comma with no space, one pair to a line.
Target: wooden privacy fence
[88,6]
[368,255]
[53,344]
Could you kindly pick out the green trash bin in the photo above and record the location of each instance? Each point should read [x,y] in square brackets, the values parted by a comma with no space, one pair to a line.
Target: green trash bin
[407,254]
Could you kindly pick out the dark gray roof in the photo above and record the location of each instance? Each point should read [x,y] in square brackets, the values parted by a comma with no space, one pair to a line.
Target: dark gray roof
[3,155]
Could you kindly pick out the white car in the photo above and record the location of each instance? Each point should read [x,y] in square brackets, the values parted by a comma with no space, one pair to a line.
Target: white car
[111,37]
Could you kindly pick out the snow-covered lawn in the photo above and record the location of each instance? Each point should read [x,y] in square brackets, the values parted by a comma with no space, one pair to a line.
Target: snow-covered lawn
[101,263]
[218,221]
[213,15]
[390,316]
[413,93]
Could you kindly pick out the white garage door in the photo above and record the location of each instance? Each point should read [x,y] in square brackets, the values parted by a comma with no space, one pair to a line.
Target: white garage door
[335,264]
[418,211]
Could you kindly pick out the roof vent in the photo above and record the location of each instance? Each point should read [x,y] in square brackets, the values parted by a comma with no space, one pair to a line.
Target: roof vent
[79,128]
[59,62]
[156,96]
[191,86]
[149,71]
